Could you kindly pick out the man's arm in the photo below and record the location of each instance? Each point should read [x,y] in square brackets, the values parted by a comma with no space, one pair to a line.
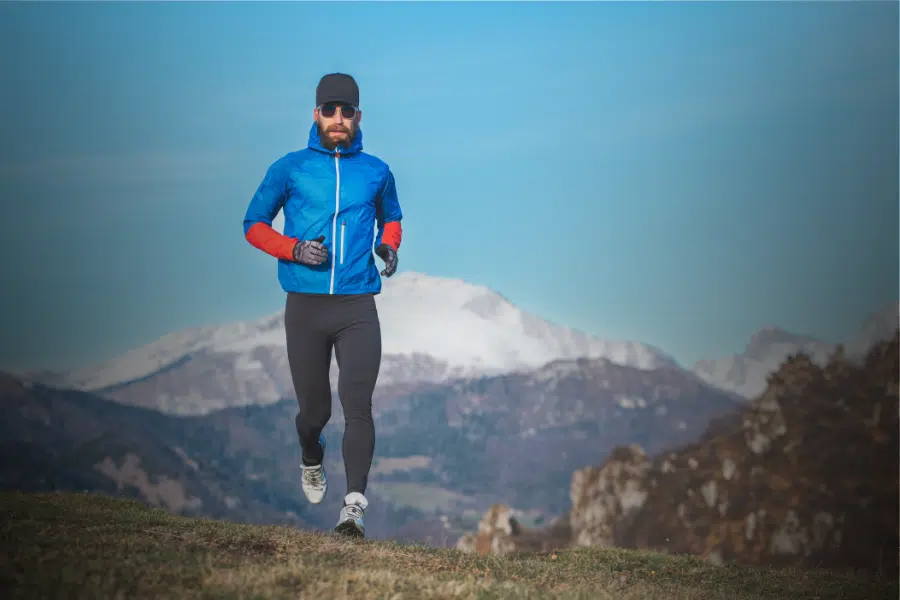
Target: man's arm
[264,205]
[388,214]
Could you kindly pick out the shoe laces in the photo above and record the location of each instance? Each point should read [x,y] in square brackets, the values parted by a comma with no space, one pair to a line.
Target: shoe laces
[313,475]
[353,511]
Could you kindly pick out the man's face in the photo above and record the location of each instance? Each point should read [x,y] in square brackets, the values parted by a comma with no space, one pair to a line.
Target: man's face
[334,127]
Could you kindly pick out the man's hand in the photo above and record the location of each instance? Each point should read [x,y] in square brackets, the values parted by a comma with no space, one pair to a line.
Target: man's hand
[311,252]
[389,256]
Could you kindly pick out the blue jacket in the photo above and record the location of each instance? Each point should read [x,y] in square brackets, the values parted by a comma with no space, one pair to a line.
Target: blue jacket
[342,196]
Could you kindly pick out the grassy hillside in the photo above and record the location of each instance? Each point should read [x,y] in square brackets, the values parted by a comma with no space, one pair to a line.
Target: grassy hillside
[87,546]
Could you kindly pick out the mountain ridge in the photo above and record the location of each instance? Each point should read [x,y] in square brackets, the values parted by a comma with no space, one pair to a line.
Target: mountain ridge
[435,329]
[747,372]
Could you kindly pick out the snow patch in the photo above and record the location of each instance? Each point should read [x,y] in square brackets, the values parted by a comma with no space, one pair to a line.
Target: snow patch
[626,401]
[243,362]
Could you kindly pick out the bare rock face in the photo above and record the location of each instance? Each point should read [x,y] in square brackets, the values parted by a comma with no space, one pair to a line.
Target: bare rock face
[605,496]
[809,479]
[806,476]
[496,531]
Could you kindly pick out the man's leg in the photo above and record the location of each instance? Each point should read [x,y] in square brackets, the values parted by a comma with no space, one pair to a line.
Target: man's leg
[309,357]
[358,352]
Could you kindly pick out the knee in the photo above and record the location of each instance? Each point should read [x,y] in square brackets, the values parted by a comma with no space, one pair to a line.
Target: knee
[313,415]
[359,412]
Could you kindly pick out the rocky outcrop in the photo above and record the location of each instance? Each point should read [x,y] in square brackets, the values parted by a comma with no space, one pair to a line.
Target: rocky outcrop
[806,475]
[499,532]
[605,498]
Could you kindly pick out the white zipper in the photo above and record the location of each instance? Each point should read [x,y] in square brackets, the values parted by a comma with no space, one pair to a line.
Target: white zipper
[343,226]
[337,208]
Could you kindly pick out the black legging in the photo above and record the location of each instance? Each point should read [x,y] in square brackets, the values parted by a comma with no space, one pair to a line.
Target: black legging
[313,323]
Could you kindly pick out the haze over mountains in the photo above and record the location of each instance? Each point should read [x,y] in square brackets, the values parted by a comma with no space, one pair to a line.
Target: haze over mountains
[435,330]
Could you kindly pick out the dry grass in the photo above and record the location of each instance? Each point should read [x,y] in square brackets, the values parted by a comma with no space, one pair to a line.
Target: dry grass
[86,546]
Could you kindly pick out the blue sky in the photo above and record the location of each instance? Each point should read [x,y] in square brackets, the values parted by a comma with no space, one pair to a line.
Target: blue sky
[680,174]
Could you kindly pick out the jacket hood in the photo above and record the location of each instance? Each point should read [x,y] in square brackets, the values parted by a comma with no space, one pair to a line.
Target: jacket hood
[315,142]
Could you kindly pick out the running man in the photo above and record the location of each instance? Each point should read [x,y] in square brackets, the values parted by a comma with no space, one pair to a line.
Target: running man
[333,196]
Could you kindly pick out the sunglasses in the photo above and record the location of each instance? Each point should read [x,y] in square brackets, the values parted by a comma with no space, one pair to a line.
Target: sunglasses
[328,111]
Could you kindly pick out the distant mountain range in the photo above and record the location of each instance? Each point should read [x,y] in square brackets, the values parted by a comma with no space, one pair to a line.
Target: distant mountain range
[746,373]
[444,451]
[478,402]
[435,330]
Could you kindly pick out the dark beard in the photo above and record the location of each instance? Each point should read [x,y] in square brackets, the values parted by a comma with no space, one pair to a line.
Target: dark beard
[329,144]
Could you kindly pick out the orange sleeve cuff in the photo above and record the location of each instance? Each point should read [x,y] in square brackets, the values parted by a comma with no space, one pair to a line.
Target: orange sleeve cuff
[393,233]
[268,240]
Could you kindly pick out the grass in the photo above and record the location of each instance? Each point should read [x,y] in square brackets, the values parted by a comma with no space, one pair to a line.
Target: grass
[85,546]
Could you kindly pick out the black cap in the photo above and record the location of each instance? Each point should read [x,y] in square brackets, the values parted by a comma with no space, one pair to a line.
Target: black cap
[337,87]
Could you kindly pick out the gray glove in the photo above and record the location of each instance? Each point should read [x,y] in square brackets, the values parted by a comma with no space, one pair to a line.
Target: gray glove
[311,252]
[389,256]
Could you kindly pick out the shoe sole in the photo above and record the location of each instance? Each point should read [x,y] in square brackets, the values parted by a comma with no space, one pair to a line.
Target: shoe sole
[349,529]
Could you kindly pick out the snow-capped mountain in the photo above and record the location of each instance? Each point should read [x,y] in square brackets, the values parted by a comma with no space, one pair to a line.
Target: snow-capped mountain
[746,373]
[477,330]
[433,329]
